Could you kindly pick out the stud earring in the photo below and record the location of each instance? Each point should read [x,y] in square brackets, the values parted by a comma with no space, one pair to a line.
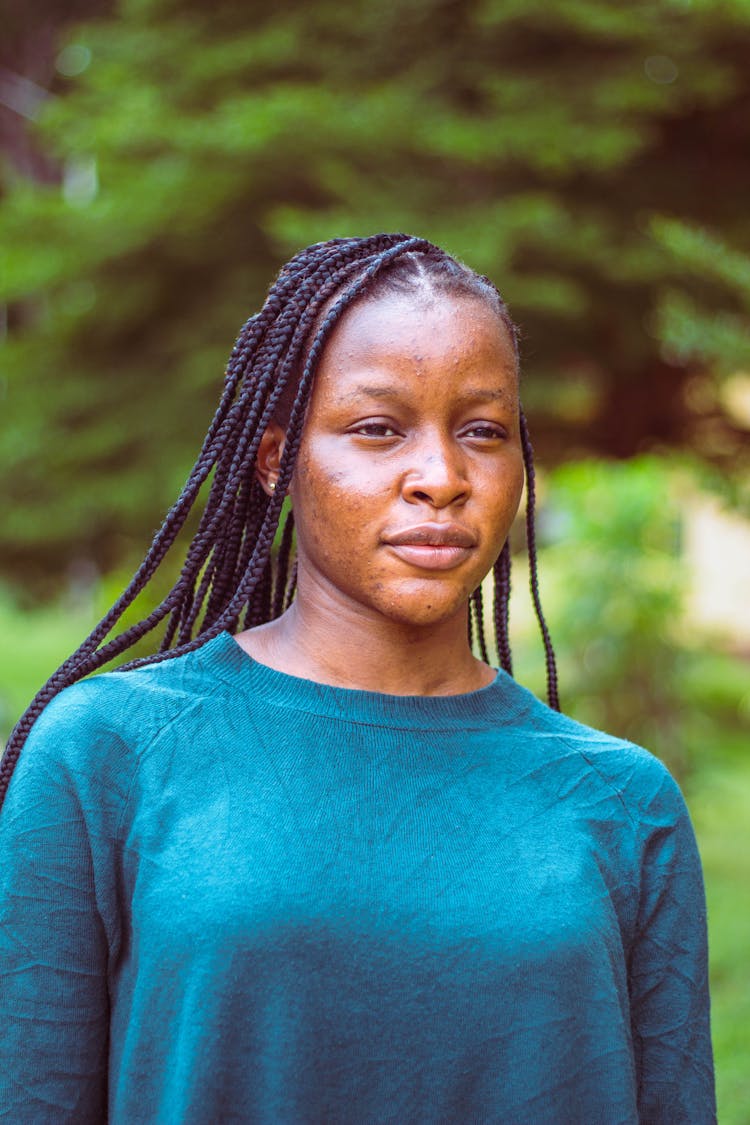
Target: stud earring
[272,485]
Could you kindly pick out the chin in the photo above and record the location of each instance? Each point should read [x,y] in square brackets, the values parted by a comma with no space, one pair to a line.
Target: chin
[424,611]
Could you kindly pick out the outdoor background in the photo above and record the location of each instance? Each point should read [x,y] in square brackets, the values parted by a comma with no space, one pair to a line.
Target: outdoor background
[159,160]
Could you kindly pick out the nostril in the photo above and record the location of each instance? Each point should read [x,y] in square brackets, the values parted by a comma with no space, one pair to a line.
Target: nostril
[421,496]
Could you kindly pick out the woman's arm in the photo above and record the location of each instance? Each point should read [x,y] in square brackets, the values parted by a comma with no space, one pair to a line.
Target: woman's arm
[54,944]
[669,971]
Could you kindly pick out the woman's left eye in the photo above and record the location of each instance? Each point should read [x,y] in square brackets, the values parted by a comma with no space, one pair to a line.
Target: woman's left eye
[484,430]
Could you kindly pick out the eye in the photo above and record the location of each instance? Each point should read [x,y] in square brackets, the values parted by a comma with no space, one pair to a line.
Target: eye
[485,431]
[375,430]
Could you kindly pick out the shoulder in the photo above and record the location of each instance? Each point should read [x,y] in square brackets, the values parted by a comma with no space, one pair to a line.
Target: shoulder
[99,727]
[636,776]
[142,699]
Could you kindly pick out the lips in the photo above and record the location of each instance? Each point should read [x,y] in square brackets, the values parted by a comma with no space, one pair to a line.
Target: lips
[433,535]
[433,546]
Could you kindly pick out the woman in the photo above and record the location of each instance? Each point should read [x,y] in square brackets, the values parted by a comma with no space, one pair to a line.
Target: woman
[335,867]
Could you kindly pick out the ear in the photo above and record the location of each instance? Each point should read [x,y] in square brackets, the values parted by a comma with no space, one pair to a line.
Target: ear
[269,457]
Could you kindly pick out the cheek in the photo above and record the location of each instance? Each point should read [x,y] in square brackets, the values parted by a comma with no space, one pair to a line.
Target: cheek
[507,490]
[330,508]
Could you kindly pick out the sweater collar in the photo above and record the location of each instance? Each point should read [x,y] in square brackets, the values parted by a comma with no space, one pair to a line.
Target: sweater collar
[499,701]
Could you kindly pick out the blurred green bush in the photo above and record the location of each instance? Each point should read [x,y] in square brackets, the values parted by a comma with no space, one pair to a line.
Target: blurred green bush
[619,578]
[614,579]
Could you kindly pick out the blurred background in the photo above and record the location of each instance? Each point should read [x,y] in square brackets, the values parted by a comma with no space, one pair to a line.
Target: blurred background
[160,159]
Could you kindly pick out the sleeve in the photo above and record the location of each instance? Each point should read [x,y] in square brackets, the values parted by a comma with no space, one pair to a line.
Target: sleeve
[54,949]
[669,971]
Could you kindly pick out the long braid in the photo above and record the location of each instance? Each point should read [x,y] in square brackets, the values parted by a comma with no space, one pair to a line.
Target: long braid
[549,652]
[282,567]
[228,568]
[477,603]
[501,576]
[291,588]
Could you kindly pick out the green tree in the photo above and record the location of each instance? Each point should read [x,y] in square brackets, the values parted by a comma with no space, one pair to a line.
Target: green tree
[544,143]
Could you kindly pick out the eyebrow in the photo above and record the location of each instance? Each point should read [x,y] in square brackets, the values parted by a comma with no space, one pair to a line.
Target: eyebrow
[389,391]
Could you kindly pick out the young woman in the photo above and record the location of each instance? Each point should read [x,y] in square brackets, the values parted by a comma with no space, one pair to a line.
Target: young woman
[315,861]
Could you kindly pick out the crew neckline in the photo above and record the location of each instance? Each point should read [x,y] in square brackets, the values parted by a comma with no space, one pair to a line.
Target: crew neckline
[230,662]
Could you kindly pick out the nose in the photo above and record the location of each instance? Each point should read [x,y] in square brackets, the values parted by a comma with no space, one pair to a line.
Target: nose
[437,475]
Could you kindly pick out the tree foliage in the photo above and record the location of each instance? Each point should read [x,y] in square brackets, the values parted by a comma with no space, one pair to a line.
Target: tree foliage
[590,156]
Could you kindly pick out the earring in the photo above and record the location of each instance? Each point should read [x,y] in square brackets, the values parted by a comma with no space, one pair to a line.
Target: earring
[272,485]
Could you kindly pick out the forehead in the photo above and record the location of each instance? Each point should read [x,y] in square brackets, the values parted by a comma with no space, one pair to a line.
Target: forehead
[424,333]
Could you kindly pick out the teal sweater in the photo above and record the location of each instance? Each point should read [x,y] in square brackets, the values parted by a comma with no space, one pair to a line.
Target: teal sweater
[232,895]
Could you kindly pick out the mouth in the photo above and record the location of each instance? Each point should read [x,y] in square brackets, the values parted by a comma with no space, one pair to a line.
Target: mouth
[433,546]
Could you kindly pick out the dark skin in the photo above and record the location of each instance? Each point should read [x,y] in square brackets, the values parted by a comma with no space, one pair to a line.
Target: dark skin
[408,478]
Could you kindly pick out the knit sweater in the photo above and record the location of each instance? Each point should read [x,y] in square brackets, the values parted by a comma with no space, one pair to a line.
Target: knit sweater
[232,895]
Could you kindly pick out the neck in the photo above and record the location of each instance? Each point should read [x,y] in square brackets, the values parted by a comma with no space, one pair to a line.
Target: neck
[346,646]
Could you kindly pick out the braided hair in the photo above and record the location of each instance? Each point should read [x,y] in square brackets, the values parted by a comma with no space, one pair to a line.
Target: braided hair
[230,576]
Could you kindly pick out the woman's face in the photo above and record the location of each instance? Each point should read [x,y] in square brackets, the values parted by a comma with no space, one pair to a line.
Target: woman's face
[410,469]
